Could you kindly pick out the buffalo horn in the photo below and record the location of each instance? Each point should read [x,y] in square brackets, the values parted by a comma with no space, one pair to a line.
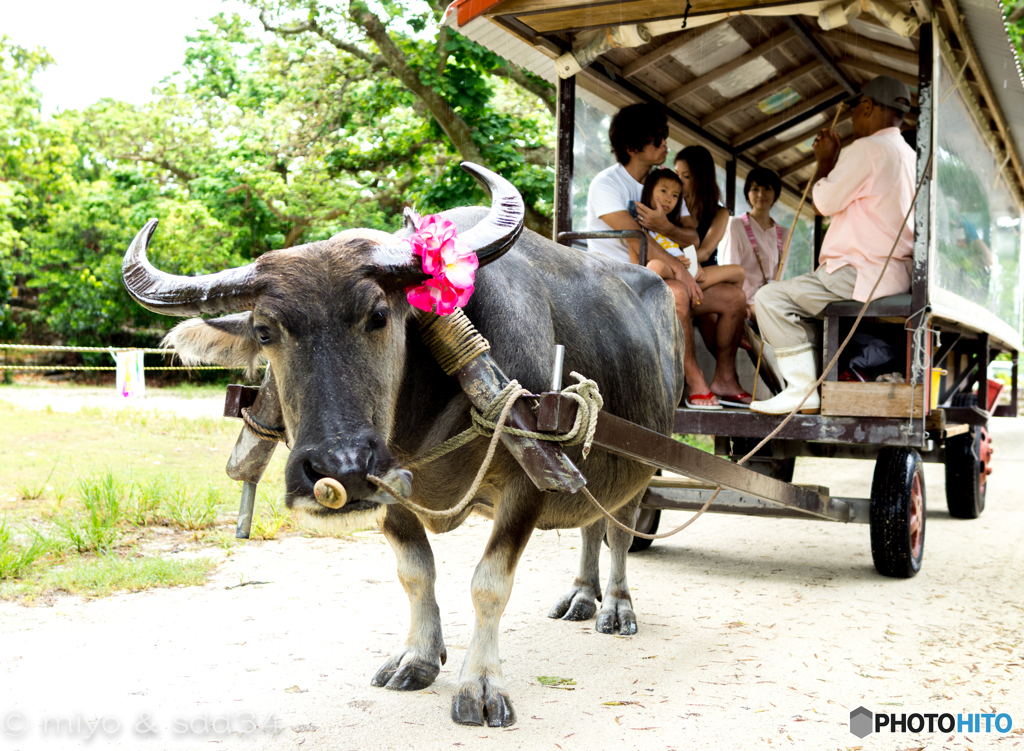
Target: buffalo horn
[491,238]
[172,295]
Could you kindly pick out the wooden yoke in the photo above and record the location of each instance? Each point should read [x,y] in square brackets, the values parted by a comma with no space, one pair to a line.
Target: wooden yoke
[463,353]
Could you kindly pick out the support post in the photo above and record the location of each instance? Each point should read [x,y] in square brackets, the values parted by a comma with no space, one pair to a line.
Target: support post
[923,207]
[819,236]
[1013,386]
[730,186]
[565,127]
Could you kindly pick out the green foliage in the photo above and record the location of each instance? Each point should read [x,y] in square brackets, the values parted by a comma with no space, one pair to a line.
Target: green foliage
[1012,11]
[261,141]
[16,559]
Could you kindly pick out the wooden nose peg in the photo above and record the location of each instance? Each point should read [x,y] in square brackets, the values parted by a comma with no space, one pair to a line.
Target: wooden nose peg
[330,493]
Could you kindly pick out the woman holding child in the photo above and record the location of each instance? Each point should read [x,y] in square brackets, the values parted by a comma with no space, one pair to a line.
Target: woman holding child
[693,188]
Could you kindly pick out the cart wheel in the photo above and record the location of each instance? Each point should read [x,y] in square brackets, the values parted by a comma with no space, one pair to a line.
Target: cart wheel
[647,520]
[898,513]
[968,464]
[779,469]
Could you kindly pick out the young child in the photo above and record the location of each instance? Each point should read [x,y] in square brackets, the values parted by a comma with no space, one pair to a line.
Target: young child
[663,189]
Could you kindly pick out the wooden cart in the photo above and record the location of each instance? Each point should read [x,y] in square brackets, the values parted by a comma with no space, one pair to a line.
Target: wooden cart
[754,82]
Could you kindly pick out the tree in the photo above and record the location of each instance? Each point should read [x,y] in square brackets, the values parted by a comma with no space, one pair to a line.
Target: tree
[263,140]
[447,76]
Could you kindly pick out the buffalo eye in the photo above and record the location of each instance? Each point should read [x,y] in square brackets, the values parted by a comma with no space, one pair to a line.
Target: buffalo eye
[263,335]
[378,318]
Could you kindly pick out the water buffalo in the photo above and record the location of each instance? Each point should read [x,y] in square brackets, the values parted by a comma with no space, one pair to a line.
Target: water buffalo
[362,395]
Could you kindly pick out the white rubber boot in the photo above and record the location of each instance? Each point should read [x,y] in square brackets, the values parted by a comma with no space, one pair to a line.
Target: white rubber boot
[797,365]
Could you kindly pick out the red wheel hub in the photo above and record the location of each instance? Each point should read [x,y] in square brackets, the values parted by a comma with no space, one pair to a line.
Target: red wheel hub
[916,516]
[984,457]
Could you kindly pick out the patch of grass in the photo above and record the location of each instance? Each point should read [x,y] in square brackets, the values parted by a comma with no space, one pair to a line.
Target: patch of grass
[105,575]
[103,499]
[16,559]
[30,492]
[194,450]
[146,500]
[186,390]
[193,510]
[269,517]
[702,442]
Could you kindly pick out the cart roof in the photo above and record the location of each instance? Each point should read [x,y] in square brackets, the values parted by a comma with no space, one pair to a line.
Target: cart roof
[758,79]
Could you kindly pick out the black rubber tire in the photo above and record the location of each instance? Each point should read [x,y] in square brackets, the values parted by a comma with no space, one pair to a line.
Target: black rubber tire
[647,521]
[894,548]
[965,492]
[780,469]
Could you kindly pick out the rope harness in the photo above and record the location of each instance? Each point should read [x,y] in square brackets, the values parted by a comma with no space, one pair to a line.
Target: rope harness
[263,431]
[491,424]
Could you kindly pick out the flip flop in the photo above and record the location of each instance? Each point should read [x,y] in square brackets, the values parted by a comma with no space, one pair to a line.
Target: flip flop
[702,398]
[736,400]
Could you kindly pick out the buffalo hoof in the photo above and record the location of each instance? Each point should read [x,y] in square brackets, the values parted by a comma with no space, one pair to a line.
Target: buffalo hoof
[406,672]
[616,617]
[477,703]
[577,605]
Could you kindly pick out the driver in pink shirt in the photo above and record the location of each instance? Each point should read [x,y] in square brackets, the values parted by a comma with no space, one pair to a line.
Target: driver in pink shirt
[866,190]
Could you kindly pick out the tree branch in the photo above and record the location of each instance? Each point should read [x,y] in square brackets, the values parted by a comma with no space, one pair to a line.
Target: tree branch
[320,31]
[536,86]
[453,125]
[539,223]
[540,156]
[163,163]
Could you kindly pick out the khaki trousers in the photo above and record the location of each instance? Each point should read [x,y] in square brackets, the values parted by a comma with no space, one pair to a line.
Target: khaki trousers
[781,307]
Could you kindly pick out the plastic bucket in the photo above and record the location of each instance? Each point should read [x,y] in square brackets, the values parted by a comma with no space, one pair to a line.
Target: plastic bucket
[995,388]
[937,374]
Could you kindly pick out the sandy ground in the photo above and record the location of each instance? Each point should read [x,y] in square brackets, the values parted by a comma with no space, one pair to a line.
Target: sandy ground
[754,633]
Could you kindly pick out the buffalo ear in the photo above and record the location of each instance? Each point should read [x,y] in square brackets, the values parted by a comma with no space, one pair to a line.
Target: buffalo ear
[226,341]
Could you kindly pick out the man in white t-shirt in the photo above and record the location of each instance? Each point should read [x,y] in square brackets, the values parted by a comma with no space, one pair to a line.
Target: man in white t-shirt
[638,136]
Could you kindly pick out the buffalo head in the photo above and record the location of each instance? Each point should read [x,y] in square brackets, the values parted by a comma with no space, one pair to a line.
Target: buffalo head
[330,317]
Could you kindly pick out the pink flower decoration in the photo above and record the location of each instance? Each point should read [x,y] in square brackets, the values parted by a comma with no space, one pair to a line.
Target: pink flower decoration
[448,260]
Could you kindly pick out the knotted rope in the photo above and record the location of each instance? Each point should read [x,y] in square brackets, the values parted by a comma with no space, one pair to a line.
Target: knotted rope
[263,431]
[491,423]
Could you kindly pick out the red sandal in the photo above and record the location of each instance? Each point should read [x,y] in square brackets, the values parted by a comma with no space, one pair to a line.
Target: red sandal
[692,401]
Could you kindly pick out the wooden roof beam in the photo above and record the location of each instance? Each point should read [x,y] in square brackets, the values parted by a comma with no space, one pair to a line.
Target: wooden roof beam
[759,51]
[806,107]
[852,43]
[785,146]
[879,70]
[668,48]
[814,47]
[760,93]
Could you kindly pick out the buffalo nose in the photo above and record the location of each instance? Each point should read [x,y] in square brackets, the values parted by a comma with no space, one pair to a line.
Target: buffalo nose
[335,474]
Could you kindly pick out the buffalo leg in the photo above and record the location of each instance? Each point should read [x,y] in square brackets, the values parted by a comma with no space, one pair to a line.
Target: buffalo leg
[480,697]
[417,664]
[616,614]
[580,602]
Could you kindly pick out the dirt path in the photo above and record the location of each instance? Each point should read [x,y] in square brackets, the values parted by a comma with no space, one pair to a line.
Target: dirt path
[754,633]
